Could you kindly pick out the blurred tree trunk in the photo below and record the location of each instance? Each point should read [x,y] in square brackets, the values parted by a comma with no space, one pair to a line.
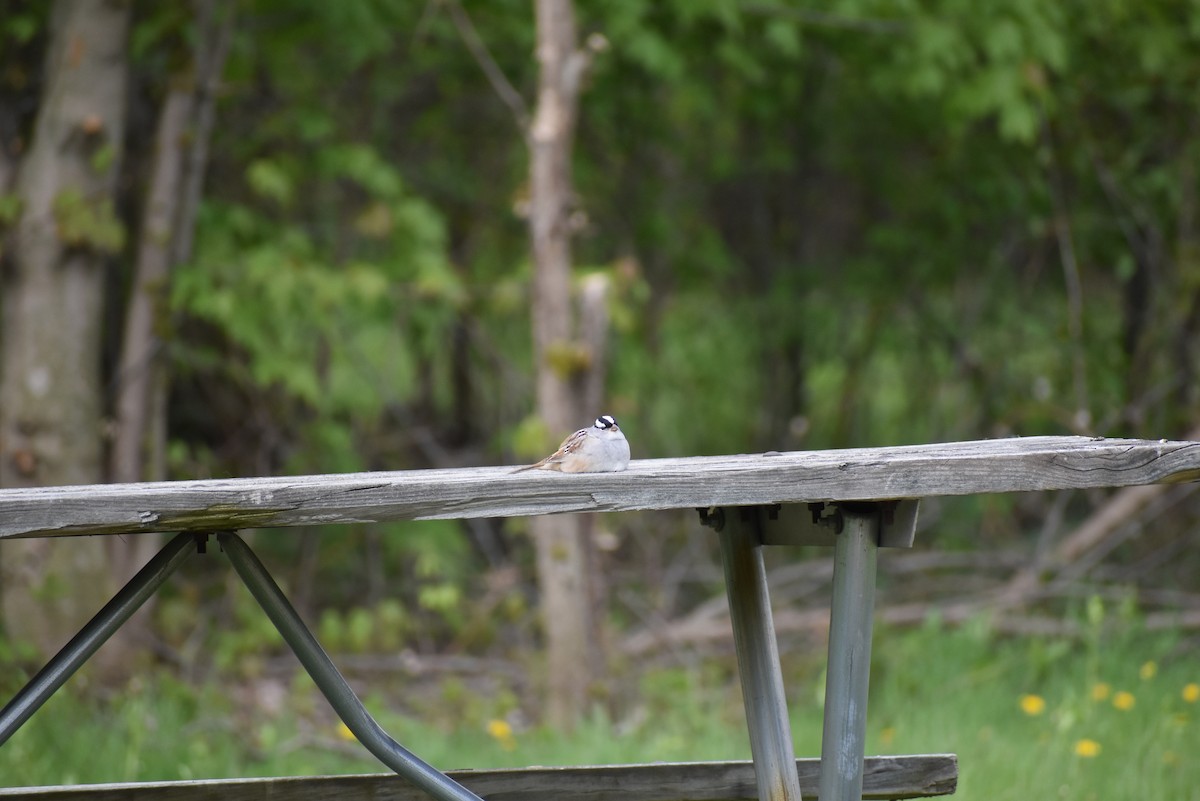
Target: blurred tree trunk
[145,315]
[168,220]
[141,341]
[50,388]
[563,555]
[1187,257]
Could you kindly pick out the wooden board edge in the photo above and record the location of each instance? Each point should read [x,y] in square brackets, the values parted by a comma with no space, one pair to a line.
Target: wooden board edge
[892,777]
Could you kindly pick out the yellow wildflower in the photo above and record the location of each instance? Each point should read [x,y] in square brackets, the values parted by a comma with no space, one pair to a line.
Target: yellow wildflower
[1101,691]
[1032,704]
[1087,748]
[1148,670]
[502,733]
[343,731]
[1191,692]
[887,734]
[1124,701]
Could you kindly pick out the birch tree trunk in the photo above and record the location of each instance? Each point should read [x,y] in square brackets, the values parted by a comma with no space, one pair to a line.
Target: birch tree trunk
[564,560]
[50,384]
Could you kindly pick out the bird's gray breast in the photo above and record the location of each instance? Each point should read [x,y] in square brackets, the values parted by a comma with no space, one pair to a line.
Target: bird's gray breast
[618,449]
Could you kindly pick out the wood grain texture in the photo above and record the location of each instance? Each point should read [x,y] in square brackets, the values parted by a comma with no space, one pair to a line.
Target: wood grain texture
[885,777]
[960,468]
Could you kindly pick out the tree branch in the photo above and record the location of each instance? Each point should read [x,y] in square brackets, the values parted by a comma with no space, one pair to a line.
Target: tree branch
[1081,420]
[211,51]
[496,77]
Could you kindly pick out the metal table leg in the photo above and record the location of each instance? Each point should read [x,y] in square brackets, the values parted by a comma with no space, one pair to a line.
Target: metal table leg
[758,656]
[331,683]
[850,621]
[81,647]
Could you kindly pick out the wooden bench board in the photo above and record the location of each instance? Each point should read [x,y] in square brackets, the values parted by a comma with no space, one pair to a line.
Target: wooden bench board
[884,777]
[958,468]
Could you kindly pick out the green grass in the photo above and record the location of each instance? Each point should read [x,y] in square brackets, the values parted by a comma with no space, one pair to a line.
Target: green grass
[1035,718]
[933,690]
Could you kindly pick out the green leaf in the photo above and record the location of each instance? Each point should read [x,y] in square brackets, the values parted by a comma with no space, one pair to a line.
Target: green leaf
[84,223]
[10,208]
[784,35]
[268,179]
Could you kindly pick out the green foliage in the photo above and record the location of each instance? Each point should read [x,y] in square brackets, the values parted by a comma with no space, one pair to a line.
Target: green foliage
[384,628]
[271,181]
[90,224]
[21,27]
[339,336]
[958,92]
[990,60]
[103,158]
[247,640]
[700,343]
[10,209]
[1044,703]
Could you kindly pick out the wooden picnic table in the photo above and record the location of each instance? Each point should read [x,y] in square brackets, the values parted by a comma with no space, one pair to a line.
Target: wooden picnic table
[855,500]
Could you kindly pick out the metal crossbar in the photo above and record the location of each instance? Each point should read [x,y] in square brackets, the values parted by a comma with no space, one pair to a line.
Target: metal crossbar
[331,683]
[312,656]
[106,622]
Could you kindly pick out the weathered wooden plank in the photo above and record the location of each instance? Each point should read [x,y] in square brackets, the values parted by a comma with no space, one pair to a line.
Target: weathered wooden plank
[885,777]
[960,468]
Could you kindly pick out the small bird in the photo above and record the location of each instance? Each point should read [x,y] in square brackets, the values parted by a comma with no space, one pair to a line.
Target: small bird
[602,448]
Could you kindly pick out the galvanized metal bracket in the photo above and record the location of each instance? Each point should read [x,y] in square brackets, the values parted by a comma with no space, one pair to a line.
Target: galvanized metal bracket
[820,523]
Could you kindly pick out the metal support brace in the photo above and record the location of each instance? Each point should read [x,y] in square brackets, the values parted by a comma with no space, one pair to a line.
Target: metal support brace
[97,631]
[331,683]
[757,653]
[850,621]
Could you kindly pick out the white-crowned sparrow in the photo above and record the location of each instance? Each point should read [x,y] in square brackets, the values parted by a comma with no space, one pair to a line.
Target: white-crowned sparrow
[599,449]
